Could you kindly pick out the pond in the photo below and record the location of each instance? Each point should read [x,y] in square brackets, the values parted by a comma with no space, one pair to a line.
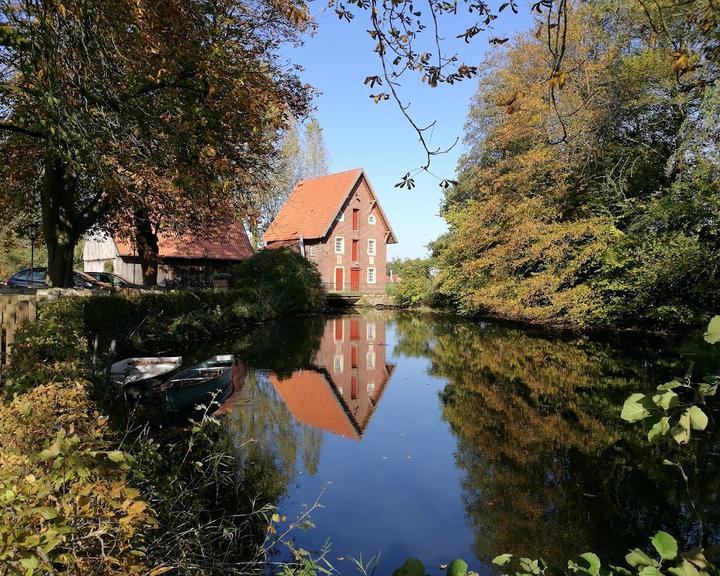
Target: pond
[438,438]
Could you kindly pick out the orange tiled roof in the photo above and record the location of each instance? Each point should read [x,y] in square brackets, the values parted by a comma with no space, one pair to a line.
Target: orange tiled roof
[313,205]
[311,400]
[223,242]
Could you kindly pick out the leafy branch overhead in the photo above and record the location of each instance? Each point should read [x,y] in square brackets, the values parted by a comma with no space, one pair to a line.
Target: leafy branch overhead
[412,38]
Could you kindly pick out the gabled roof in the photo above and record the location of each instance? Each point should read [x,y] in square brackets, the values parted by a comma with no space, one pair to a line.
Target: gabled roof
[312,400]
[311,209]
[228,241]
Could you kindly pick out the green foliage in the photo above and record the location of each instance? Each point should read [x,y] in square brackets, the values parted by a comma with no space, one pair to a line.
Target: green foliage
[588,564]
[65,493]
[415,285]
[615,225]
[276,283]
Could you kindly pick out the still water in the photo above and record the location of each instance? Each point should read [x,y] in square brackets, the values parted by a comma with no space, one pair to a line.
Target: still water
[436,438]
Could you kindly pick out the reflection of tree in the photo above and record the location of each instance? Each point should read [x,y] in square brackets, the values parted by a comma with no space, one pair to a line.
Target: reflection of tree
[268,442]
[283,347]
[549,469]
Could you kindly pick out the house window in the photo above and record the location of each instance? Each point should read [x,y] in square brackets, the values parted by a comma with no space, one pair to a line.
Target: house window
[371,387]
[371,246]
[371,331]
[339,245]
[370,360]
[356,219]
[341,217]
[312,250]
[371,275]
[372,219]
[339,361]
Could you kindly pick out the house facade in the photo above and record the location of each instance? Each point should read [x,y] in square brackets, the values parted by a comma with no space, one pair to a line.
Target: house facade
[190,259]
[337,222]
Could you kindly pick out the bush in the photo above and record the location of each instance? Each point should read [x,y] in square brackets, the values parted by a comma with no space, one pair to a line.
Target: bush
[415,286]
[64,495]
[276,283]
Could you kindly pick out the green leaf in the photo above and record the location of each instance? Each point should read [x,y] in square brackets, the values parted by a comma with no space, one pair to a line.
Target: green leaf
[412,567]
[620,570]
[698,418]
[502,559]
[650,571]
[669,385]
[684,569]
[707,389]
[712,336]
[593,561]
[665,545]
[680,434]
[638,558]
[666,400]
[457,567]
[116,456]
[660,428]
[637,407]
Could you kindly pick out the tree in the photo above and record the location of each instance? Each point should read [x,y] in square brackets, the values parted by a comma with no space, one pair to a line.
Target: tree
[117,104]
[577,210]
[297,157]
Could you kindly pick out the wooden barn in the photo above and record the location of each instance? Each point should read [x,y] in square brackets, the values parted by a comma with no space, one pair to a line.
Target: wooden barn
[191,259]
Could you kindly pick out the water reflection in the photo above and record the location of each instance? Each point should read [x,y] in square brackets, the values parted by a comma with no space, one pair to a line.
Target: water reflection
[348,375]
[445,438]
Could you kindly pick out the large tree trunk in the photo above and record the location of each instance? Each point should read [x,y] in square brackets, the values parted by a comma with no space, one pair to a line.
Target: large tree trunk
[147,246]
[59,221]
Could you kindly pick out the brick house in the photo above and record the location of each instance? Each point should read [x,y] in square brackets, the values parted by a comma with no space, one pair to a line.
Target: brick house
[337,222]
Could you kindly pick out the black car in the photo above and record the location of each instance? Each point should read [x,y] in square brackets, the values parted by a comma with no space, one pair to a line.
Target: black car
[26,278]
[112,279]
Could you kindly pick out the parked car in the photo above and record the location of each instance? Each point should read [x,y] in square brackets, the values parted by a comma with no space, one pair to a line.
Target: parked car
[112,279]
[26,278]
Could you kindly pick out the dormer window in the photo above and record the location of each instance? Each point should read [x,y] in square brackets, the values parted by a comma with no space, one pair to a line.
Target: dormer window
[372,219]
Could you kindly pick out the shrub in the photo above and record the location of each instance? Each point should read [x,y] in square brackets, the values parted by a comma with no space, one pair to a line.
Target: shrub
[276,283]
[66,503]
[415,286]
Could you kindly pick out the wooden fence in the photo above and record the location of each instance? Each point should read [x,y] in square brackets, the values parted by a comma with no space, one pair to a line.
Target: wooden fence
[16,308]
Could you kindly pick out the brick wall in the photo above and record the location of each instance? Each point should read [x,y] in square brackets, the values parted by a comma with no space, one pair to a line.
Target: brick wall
[324,255]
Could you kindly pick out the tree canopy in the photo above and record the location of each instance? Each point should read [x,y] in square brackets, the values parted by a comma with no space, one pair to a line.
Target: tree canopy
[119,113]
[598,207]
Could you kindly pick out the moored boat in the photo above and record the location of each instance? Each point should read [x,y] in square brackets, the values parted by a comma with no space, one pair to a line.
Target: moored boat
[200,384]
[141,370]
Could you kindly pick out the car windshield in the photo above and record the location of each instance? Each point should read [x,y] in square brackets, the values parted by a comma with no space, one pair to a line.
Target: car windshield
[38,276]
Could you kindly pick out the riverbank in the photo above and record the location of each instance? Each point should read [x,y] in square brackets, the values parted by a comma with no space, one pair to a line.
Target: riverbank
[88,484]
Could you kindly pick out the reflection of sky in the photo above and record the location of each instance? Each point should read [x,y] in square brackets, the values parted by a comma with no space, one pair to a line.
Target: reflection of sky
[395,491]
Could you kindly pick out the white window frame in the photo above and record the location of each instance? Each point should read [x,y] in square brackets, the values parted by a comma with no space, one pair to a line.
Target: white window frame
[312,250]
[342,245]
[374,276]
[370,331]
[370,360]
[372,219]
[371,243]
[339,363]
[341,216]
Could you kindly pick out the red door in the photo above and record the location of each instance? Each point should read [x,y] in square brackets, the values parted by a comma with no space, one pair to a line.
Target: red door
[339,279]
[355,244]
[355,279]
[356,219]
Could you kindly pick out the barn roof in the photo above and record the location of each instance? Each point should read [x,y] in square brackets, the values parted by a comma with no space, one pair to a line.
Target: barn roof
[221,242]
[311,209]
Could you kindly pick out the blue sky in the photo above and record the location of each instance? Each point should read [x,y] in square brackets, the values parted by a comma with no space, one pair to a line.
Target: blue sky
[359,132]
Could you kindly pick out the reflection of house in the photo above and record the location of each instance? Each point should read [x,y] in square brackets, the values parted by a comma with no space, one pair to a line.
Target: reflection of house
[186,258]
[337,222]
[341,392]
